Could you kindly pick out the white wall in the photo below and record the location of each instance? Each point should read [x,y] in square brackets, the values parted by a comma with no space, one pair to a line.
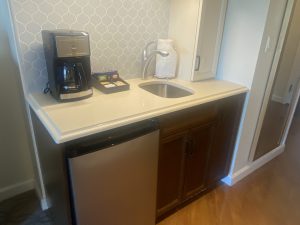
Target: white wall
[16,173]
[246,59]
[243,32]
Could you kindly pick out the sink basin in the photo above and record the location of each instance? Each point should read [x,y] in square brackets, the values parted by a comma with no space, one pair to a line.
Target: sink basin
[166,89]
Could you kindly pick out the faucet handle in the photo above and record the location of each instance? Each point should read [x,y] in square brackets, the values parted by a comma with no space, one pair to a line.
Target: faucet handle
[146,50]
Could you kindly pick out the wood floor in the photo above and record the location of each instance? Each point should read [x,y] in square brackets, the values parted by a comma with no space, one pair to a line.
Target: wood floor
[269,196]
[23,209]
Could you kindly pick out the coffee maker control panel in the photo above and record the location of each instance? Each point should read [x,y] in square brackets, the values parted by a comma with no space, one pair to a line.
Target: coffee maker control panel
[72,46]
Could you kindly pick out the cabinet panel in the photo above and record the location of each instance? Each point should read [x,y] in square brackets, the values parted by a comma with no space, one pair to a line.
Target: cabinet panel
[187,119]
[200,143]
[221,153]
[170,175]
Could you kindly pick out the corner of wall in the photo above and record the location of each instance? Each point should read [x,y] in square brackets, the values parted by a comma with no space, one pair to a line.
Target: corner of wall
[13,190]
[45,204]
[237,176]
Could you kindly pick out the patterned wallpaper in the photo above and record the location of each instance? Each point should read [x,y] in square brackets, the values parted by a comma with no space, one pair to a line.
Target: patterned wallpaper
[119,30]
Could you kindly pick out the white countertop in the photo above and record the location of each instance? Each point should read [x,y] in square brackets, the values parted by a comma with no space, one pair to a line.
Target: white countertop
[69,121]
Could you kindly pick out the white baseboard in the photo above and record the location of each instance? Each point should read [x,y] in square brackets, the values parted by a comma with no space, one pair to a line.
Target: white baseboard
[13,190]
[45,204]
[250,168]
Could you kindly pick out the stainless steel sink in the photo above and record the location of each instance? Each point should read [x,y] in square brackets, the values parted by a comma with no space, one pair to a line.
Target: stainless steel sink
[166,89]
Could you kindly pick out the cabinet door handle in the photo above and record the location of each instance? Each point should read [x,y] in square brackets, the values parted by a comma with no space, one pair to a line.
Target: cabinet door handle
[188,148]
[197,65]
[191,148]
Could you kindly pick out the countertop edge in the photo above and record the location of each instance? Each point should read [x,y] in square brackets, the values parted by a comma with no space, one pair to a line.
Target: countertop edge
[60,138]
[54,133]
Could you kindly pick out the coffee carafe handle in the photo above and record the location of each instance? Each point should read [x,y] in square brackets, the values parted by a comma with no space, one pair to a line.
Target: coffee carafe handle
[80,73]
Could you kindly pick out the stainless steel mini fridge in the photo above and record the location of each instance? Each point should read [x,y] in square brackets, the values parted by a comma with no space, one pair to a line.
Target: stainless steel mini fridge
[116,184]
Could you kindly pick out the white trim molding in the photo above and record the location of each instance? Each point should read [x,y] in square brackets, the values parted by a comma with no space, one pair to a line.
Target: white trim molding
[45,204]
[44,201]
[252,166]
[13,190]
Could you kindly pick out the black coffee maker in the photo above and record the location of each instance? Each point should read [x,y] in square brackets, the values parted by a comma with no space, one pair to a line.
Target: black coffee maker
[67,55]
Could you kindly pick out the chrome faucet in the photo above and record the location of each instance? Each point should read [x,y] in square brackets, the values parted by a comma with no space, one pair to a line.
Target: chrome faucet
[148,56]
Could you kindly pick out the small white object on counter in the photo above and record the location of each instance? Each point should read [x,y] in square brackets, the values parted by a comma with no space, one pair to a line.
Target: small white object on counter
[101,112]
[166,66]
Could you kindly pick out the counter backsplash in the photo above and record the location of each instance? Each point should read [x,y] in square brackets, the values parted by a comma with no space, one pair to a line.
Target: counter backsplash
[119,30]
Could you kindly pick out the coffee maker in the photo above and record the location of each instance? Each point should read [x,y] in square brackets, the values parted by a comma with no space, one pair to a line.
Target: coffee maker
[67,55]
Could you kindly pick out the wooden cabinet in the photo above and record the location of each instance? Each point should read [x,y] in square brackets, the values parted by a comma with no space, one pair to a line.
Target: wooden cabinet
[196,147]
[183,164]
[185,140]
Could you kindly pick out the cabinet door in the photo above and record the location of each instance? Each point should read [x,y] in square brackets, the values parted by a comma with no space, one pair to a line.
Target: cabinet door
[197,28]
[197,152]
[170,172]
[209,39]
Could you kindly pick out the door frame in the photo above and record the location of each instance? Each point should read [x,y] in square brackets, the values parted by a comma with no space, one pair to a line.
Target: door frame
[267,94]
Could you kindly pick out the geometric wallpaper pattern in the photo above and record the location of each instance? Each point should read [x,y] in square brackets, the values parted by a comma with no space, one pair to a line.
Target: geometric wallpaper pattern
[118,29]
